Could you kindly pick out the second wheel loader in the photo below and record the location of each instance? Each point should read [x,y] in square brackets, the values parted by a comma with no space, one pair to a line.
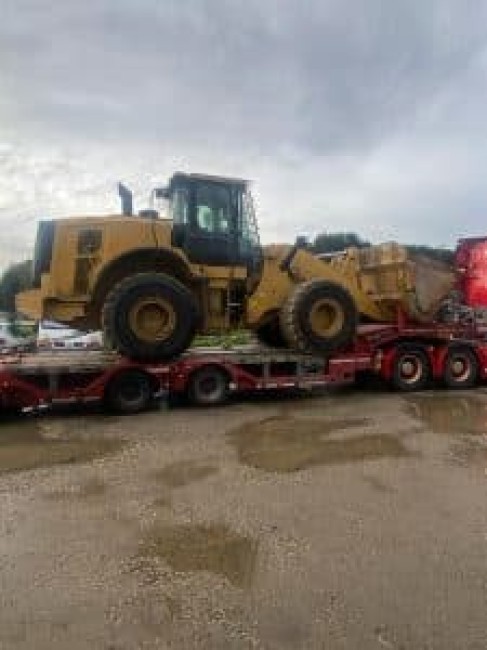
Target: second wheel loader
[151,283]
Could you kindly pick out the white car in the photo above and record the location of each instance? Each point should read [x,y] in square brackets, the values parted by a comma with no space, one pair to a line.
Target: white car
[55,336]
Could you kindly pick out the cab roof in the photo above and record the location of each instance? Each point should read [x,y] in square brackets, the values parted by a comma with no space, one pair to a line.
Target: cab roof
[182,176]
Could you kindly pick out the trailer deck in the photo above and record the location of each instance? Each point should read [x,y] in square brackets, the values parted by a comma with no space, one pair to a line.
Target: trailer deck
[409,358]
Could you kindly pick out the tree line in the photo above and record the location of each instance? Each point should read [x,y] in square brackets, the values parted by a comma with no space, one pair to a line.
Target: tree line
[339,241]
[17,277]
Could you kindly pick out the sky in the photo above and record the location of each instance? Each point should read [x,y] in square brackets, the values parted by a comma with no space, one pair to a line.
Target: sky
[363,115]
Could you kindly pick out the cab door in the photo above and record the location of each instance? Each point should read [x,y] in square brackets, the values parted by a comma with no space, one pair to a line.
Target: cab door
[212,234]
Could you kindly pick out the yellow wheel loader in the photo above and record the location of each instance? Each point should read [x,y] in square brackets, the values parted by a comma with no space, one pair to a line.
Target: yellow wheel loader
[152,282]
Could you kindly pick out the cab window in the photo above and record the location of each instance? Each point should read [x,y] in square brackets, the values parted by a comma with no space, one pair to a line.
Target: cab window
[213,209]
[180,206]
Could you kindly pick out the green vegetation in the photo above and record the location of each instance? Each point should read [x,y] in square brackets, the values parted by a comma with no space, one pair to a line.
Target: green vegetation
[332,242]
[224,341]
[16,278]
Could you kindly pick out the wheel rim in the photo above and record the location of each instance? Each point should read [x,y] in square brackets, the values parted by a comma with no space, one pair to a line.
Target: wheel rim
[326,317]
[209,386]
[410,368]
[460,368]
[152,319]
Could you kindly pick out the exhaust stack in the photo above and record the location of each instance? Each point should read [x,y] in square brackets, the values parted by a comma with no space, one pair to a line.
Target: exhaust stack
[126,198]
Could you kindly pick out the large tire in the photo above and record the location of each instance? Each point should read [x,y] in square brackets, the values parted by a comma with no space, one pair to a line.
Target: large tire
[129,392]
[411,370]
[270,334]
[319,317]
[209,386]
[150,317]
[461,369]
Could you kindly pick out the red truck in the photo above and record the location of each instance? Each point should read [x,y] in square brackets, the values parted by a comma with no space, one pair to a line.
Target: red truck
[471,268]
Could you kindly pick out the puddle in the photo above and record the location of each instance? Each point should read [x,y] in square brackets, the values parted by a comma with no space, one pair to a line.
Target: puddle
[182,473]
[187,548]
[287,444]
[32,443]
[450,414]
[461,415]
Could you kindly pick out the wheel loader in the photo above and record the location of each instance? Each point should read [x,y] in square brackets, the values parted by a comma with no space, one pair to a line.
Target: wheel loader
[152,281]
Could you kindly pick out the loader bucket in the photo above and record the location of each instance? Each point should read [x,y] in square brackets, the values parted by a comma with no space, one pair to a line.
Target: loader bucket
[391,276]
[433,281]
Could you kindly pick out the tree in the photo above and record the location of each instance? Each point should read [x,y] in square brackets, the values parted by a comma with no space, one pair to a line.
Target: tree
[337,241]
[445,255]
[332,242]
[16,278]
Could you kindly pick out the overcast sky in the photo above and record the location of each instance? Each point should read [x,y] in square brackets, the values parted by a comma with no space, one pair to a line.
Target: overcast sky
[363,115]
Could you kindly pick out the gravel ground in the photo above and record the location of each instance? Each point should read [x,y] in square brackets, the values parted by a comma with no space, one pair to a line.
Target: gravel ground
[354,520]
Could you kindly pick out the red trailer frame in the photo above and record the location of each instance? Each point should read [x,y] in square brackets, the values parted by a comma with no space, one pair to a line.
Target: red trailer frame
[36,381]
[408,357]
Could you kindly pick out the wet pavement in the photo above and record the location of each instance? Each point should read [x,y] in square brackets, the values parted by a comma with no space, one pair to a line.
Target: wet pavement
[352,520]
[290,444]
[187,548]
[30,442]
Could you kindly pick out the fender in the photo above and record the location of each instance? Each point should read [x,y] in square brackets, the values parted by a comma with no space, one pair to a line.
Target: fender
[137,261]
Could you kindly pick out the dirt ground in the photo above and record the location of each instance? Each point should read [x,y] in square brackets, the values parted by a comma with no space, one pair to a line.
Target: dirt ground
[352,520]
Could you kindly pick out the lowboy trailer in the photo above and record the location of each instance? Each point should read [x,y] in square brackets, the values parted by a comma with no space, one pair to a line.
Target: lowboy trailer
[406,358]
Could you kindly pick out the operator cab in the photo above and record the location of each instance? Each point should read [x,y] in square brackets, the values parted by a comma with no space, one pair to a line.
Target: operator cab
[213,220]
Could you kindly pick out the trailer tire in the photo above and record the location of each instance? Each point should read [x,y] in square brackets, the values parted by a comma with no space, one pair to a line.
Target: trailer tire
[412,370]
[150,317]
[319,316]
[209,386]
[461,369]
[129,392]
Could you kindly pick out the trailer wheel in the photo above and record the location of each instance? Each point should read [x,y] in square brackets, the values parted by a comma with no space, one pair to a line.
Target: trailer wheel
[412,369]
[209,386]
[129,392]
[461,369]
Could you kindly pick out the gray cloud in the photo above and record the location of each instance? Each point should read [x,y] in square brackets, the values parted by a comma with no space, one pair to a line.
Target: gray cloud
[360,115]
